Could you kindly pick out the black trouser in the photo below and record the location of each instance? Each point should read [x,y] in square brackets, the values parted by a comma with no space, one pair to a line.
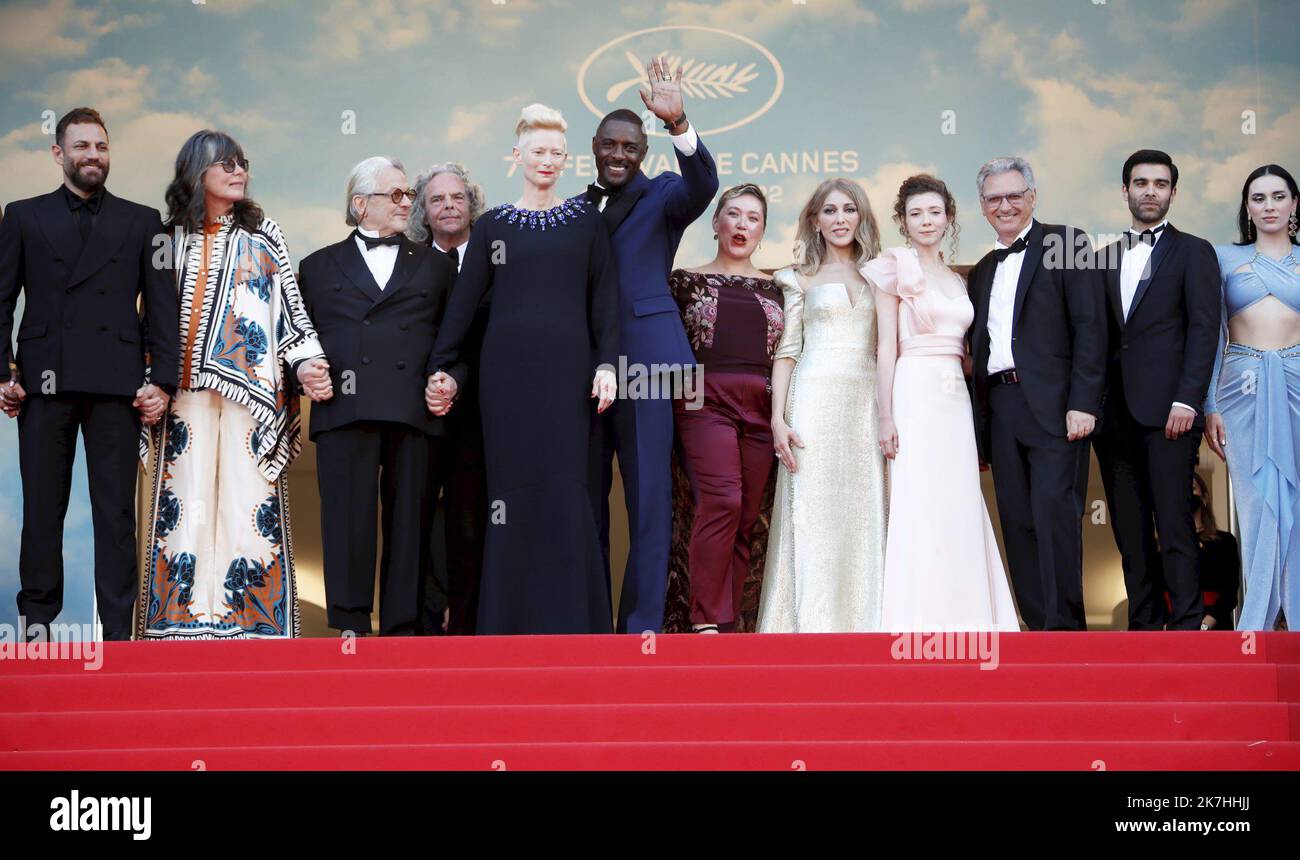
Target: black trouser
[350,461]
[457,473]
[47,448]
[1148,482]
[1041,483]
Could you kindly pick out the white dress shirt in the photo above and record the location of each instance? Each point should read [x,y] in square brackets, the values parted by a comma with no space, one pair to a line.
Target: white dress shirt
[1002,307]
[380,259]
[686,143]
[1132,268]
[460,252]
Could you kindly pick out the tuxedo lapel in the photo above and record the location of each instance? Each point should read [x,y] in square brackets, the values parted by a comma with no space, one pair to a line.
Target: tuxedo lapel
[982,287]
[105,239]
[403,269]
[621,204]
[348,258]
[1033,254]
[60,227]
[1114,257]
[1158,255]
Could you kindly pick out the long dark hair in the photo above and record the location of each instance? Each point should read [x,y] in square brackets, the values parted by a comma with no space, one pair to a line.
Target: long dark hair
[1243,217]
[184,195]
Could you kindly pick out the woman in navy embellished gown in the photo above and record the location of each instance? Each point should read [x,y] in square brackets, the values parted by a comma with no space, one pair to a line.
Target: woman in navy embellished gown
[547,362]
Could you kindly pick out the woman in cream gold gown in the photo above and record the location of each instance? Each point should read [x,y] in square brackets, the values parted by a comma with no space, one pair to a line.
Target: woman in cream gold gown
[825,554]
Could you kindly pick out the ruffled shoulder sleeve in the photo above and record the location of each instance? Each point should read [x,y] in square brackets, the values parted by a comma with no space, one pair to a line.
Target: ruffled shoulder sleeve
[897,272]
[791,344]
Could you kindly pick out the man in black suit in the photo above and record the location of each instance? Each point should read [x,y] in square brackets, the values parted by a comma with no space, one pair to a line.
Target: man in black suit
[376,299]
[1162,299]
[451,203]
[86,360]
[1039,351]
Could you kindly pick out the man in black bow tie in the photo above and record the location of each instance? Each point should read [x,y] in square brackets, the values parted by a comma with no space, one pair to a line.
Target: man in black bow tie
[376,300]
[83,258]
[1162,294]
[1038,345]
[646,219]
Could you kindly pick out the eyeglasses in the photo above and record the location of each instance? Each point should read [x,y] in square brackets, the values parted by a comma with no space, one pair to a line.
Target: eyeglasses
[395,195]
[994,201]
[230,165]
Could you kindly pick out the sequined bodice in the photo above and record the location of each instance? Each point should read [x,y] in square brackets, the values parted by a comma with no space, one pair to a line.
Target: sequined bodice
[831,321]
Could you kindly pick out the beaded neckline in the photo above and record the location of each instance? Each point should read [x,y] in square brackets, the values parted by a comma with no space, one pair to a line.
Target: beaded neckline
[533,219]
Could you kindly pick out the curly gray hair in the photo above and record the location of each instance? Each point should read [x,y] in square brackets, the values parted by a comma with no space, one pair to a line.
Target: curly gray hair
[417,229]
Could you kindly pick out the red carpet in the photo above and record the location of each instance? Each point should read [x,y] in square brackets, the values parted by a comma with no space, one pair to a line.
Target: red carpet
[1055,701]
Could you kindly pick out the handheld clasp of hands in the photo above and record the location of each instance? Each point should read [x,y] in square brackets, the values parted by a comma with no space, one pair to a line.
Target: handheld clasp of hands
[440,391]
[314,374]
[150,400]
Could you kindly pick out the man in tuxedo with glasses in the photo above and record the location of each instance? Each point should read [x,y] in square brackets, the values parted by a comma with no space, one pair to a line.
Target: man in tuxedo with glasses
[1039,348]
[376,300]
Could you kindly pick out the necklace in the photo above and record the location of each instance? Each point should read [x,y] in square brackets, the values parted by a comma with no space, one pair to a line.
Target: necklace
[558,214]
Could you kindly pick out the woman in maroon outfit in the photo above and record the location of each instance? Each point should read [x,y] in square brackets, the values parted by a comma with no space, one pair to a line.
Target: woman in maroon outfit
[732,313]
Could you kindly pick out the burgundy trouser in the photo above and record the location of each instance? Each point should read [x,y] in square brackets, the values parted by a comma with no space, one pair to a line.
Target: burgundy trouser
[728,456]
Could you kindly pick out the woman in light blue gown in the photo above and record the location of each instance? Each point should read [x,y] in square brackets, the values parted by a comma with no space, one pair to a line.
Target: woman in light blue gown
[1253,405]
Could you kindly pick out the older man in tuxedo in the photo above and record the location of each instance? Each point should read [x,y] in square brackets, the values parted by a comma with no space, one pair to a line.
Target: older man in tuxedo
[447,204]
[86,361]
[646,219]
[1039,347]
[1163,298]
[376,299]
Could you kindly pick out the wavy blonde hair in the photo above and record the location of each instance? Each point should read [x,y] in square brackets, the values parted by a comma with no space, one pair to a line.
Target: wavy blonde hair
[810,247]
[539,117]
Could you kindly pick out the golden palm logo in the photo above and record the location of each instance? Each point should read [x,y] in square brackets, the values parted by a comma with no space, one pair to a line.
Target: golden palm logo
[735,86]
[699,80]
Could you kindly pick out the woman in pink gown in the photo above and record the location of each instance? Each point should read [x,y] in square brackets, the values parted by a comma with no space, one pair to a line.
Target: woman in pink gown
[942,567]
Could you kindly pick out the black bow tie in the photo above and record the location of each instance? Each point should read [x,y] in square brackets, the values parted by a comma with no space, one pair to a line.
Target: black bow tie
[1146,237]
[1015,248]
[373,242]
[595,193]
[454,253]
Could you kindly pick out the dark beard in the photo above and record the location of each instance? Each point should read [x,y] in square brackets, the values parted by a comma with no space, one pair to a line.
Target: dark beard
[86,185]
[1136,212]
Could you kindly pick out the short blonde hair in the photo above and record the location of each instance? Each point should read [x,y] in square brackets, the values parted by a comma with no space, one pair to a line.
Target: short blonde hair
[539,117]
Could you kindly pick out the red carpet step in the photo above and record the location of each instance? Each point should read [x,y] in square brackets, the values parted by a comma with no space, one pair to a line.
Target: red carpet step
[1036,701]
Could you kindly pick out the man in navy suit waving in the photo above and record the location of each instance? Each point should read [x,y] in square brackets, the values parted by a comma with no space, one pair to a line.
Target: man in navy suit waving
[646,219]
